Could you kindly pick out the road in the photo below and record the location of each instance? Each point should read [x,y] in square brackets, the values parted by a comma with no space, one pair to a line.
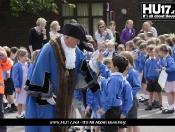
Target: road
[155,113]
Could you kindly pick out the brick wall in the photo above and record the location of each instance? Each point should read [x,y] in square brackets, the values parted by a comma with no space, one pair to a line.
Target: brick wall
[14,31]
[133,13]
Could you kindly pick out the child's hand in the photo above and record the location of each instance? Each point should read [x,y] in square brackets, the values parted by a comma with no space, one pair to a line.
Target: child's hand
[17,90]
[87,110]
[100,58]
[122,116]
[101,111]
[158,70]
[164,68]
[79,102]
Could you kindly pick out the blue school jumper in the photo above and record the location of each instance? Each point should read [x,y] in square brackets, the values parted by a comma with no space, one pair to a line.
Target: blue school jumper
[108,54]
[114,87]
[92,102]
[138,65]
[134,81]
[169,63]
[150,69]
[127,97]
[78,95]
[17,75]
[173,52]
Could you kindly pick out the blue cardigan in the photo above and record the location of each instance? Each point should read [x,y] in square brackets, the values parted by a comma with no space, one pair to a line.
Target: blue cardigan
[17,75]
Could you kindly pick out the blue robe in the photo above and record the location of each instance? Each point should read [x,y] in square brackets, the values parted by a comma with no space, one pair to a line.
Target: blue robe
[45,62]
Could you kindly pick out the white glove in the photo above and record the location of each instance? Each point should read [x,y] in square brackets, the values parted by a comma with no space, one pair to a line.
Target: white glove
[93,62]
[52,100]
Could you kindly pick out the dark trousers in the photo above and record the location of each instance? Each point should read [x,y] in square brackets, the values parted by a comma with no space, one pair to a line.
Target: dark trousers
[113,113]
[2,128]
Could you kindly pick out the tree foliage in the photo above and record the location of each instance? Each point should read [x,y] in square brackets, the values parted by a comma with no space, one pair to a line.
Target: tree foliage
[33,6]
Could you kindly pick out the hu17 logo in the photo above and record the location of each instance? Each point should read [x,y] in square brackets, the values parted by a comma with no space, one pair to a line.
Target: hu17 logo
[157,11]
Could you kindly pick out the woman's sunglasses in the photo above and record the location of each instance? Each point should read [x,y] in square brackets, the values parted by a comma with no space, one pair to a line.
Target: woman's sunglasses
[102,27]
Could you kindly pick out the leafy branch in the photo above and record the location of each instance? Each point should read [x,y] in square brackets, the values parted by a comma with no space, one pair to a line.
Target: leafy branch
[33,6]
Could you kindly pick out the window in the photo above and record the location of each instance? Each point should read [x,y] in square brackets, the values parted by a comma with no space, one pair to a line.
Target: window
[87,14]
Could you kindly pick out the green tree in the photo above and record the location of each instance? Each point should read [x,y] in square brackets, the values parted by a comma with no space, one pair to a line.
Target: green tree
[33,6]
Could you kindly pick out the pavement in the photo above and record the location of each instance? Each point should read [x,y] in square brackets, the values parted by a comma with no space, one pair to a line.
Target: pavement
[155,113]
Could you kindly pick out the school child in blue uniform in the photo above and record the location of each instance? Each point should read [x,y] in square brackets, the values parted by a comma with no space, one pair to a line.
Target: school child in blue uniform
[173,49]
[152,72]
[127,99]
[19,77]
[111,106]
[144,56]
[169,67]
[134,81]
[110,50]
[103,48]
[92,103]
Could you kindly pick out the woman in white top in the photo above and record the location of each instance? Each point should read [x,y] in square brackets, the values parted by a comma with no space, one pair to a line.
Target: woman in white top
[103,33]
[153,30]
[146,27]
[54,28]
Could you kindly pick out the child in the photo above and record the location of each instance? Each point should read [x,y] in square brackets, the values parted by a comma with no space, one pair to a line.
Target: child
[103,47]
[173,50]
[111,50]
[19,77]
[127,99]
[166,35]
[157,40]
[13,51]
[129,46]
[9,86]
[152,71]
[135,41]
[141,35]
[144,56]
[120,48]
[169,67]
[92,103]
[162,39]
[88,54]
[148,35]
[150,42]
[112,104]
[137,60]
[134,81]
[126,94]
[169,43]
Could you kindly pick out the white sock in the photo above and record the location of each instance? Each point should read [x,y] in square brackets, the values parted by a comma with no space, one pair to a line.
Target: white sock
[142,95]
[23,113]
[9,105]
[170,107]
[19,115]
[5,101]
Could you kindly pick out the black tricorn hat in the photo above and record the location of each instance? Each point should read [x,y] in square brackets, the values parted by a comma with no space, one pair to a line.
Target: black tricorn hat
[74,30]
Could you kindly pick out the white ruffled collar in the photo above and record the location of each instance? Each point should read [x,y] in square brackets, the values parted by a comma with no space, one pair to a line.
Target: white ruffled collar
[69,54]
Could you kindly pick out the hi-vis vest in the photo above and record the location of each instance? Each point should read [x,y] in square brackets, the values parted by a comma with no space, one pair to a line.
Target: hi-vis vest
[4,65]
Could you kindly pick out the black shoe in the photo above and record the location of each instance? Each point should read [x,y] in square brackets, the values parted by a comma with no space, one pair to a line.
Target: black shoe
[5,104]
[149,108]
[14,108]
[156,106]
[146,103]
[153,103]
[142,100]
[167,111]
[8,110]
